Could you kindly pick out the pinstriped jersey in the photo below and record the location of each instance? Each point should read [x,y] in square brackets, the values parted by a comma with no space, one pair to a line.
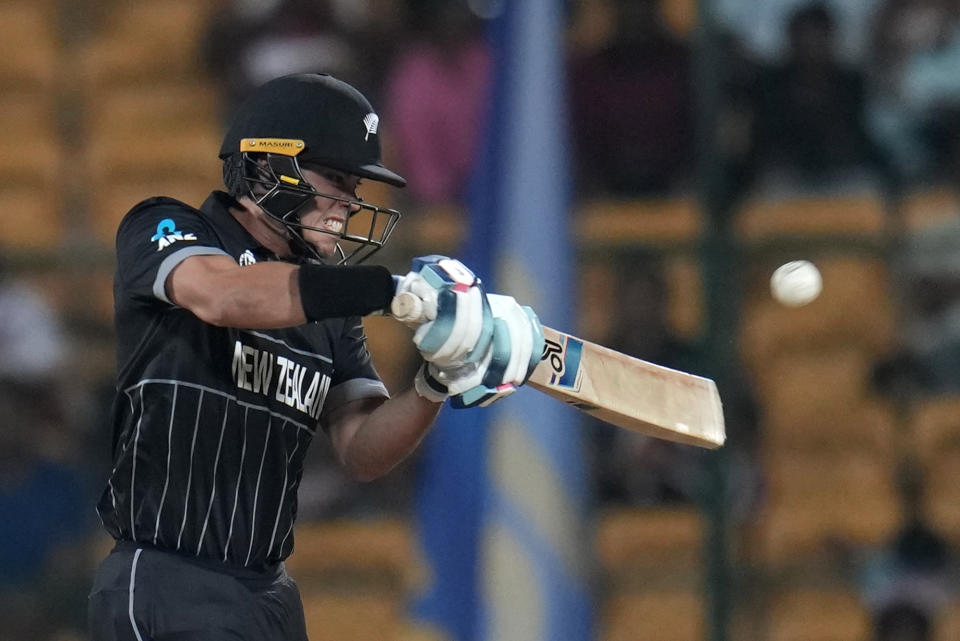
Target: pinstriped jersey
[211,424]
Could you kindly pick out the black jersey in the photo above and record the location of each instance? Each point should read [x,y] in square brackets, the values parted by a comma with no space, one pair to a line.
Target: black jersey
[211,424]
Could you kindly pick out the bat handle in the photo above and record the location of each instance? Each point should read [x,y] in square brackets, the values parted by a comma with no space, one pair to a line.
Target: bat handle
[407,308]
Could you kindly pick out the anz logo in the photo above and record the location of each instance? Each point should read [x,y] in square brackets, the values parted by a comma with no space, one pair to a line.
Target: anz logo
[167,234]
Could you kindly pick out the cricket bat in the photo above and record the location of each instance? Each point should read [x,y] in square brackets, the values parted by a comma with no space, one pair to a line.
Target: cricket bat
[616,388]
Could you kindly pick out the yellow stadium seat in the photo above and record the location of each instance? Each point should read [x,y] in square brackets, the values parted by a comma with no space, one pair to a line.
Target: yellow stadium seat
[31,152]
[654,615]
[30,47]
[815,500]
[947,624]
[935,425]
[942,480]
[345,616]
[617,223]
[822,399]
[932,205]
[812,614]
[139,41]
[632,538]
[387,544]
[31,219]
[859,214]
[110,200]
[165,106]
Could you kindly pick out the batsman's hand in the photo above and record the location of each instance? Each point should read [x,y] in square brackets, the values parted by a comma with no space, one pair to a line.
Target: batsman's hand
[507,364]
[459,323]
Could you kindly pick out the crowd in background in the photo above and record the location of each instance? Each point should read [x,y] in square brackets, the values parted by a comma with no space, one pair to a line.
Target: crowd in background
[816,96]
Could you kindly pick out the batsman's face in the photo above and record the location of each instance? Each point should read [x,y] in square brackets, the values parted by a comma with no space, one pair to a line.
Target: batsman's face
[327,213]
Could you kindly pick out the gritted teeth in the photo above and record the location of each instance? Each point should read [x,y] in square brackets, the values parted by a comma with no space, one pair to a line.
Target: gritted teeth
[333,224]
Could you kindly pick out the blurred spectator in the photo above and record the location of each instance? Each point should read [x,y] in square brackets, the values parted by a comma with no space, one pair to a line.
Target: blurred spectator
[908,583]
[915,106]
[436,97]
[43,576]
[901,622]
[810,114]
[634,469]
[925,276]
[248,42]
[758,25]
[928,279]
[632,107]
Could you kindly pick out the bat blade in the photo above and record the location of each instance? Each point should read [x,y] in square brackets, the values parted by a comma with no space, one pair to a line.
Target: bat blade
[616,388]
[629,392]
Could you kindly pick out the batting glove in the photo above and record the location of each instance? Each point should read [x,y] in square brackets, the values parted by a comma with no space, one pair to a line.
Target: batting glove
[507,364]
[460,323]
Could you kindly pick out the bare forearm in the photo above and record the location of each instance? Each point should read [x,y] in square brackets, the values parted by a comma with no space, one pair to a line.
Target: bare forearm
[380,440]
[276,294]
[269,298]
[260,296]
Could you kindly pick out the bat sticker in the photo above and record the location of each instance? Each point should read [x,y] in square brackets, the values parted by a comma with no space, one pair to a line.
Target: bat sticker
[564,358]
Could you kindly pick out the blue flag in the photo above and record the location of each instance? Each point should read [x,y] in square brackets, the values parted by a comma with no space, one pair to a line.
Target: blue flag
[503,493]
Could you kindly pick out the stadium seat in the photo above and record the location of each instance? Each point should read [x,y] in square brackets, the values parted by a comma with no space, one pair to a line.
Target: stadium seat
[332,546]
[859,215]
[925,206]
[935,425]
[113,198]
[632,539]
[817,614]
[169,106]
[30,154]
[31,218]
[617,223]
[817,400]
[942,481]
[947,624]
[141,135]
[654,615]
[29,49]
[138,41]
[348,616]
[814,501]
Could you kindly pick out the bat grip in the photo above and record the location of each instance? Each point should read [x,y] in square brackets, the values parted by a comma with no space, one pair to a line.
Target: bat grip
[407,308]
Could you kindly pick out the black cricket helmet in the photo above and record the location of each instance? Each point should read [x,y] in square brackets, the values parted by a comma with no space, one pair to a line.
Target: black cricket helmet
[309,119]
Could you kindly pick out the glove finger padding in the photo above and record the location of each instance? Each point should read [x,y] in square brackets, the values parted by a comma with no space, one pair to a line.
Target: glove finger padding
[539,342]
[461,331]
[460,324]
[479,347]
[518,341]
[515,351]
[464,384]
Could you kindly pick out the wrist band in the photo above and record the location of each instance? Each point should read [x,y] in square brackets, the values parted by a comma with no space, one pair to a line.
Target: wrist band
[329,291]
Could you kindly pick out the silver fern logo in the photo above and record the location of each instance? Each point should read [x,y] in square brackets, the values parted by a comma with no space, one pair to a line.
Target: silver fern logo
[371,121]
[247,258]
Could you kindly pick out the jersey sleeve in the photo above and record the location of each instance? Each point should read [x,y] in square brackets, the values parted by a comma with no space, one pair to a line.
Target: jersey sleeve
[155,238]
[354,377]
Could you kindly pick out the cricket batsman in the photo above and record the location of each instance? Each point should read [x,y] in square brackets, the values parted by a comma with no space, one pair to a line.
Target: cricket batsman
[239,339]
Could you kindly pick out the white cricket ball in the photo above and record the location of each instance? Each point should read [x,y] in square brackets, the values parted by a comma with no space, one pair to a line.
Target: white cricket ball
[796,283]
